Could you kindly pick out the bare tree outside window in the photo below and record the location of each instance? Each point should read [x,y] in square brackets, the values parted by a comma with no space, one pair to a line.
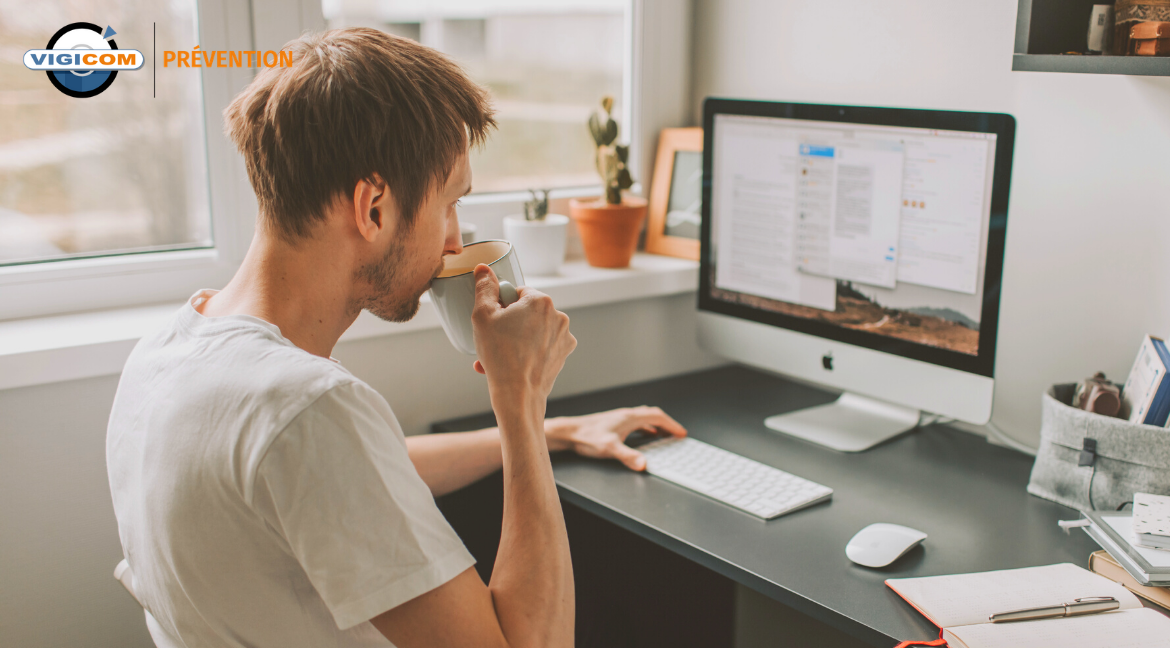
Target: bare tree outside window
[122,172]
[546,62]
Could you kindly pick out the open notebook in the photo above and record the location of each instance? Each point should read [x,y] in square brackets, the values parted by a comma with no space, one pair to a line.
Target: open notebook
[961,604]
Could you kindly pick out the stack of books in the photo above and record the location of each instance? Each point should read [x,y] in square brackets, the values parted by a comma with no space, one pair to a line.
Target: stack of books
[1143,570]
[1102,563]
[1150,39]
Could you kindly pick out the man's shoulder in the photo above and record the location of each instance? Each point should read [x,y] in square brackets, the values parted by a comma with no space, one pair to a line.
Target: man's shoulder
[245,357]
[235,388]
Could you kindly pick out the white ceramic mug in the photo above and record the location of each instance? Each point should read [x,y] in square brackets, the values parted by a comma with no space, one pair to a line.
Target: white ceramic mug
[453,291]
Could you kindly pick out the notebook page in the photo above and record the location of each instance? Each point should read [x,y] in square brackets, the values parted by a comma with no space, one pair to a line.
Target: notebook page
[968,599]
[1126,629]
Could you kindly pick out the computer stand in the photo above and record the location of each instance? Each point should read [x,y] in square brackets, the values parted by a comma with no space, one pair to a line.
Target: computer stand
[852,423]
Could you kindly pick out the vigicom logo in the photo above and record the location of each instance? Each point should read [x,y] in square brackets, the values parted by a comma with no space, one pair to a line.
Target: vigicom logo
[82,60]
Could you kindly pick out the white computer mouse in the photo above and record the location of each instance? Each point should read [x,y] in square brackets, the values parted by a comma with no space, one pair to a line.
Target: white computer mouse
[878,545]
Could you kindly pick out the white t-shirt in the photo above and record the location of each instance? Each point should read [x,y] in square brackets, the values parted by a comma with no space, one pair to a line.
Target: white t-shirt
[264,495]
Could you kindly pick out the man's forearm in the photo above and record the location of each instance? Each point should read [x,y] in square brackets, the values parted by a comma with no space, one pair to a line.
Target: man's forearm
[532,579]
[447,462]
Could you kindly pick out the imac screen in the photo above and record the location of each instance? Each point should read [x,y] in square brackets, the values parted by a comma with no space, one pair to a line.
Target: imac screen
[877,229]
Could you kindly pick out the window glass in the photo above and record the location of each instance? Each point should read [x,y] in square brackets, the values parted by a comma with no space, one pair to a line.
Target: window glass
[120,172]
[547,64]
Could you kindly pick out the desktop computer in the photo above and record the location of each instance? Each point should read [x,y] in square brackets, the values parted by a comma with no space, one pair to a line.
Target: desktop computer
[859,248]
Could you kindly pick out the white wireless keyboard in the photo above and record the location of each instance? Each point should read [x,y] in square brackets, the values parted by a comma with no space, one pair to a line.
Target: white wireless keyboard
[747,485]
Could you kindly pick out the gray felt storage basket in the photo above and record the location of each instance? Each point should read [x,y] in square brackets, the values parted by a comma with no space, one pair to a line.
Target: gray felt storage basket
[1130,457]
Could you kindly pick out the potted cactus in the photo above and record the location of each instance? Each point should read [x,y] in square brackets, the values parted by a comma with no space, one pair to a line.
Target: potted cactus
[538,236]
[609,225]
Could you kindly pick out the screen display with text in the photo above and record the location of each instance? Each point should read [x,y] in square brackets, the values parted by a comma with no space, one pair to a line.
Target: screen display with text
[874,228]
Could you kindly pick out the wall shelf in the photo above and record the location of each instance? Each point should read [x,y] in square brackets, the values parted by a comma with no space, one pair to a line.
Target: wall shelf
[1046,29]
[1136,65]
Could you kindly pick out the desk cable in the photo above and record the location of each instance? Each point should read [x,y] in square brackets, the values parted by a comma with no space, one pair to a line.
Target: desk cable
[1007,440]
[924,420]
[1066,525]
[993,432]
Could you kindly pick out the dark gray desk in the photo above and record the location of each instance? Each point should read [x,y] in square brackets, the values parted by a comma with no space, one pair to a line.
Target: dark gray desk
[966,494]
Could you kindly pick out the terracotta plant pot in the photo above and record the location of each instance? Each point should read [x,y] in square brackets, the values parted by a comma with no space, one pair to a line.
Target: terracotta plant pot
[609,233]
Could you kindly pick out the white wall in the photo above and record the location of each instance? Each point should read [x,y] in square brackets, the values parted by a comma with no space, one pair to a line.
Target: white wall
[1086,272]
[58,538]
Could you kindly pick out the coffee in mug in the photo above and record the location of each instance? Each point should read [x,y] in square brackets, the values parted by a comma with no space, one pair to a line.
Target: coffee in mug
[453,291]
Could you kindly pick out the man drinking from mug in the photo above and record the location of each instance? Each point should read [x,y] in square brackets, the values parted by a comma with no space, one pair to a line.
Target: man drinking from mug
[267,497]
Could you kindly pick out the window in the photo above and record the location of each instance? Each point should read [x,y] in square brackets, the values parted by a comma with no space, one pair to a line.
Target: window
[121,172]
[547,64]
[134,196]
[120,198]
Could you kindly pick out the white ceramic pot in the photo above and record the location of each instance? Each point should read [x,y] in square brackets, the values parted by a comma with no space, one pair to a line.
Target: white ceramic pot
[540,244]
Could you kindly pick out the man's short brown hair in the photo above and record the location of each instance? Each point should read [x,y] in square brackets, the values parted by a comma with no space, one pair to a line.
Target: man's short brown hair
[354,103]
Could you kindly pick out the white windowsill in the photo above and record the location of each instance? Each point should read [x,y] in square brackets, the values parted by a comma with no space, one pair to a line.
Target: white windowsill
[44,350]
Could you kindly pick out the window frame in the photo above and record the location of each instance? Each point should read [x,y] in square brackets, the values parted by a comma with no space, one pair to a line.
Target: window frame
[656,82]
[120,280]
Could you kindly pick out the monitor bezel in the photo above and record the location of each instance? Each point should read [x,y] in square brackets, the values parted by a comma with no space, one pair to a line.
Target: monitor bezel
[1002,125]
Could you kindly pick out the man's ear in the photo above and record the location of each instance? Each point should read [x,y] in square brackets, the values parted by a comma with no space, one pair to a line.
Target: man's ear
[372,208]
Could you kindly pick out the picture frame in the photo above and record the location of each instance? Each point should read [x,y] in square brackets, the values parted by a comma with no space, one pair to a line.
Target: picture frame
[676,194]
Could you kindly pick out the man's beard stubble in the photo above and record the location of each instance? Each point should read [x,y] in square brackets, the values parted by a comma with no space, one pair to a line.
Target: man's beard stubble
[382,279]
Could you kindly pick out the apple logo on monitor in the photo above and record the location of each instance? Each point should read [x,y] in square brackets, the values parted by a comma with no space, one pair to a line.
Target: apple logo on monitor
[827,361]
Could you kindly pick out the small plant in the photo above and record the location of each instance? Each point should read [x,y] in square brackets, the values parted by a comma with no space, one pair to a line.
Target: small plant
[611,158]
[537,208]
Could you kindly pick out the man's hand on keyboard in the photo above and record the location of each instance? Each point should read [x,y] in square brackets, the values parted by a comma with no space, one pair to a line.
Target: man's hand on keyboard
[602,435]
